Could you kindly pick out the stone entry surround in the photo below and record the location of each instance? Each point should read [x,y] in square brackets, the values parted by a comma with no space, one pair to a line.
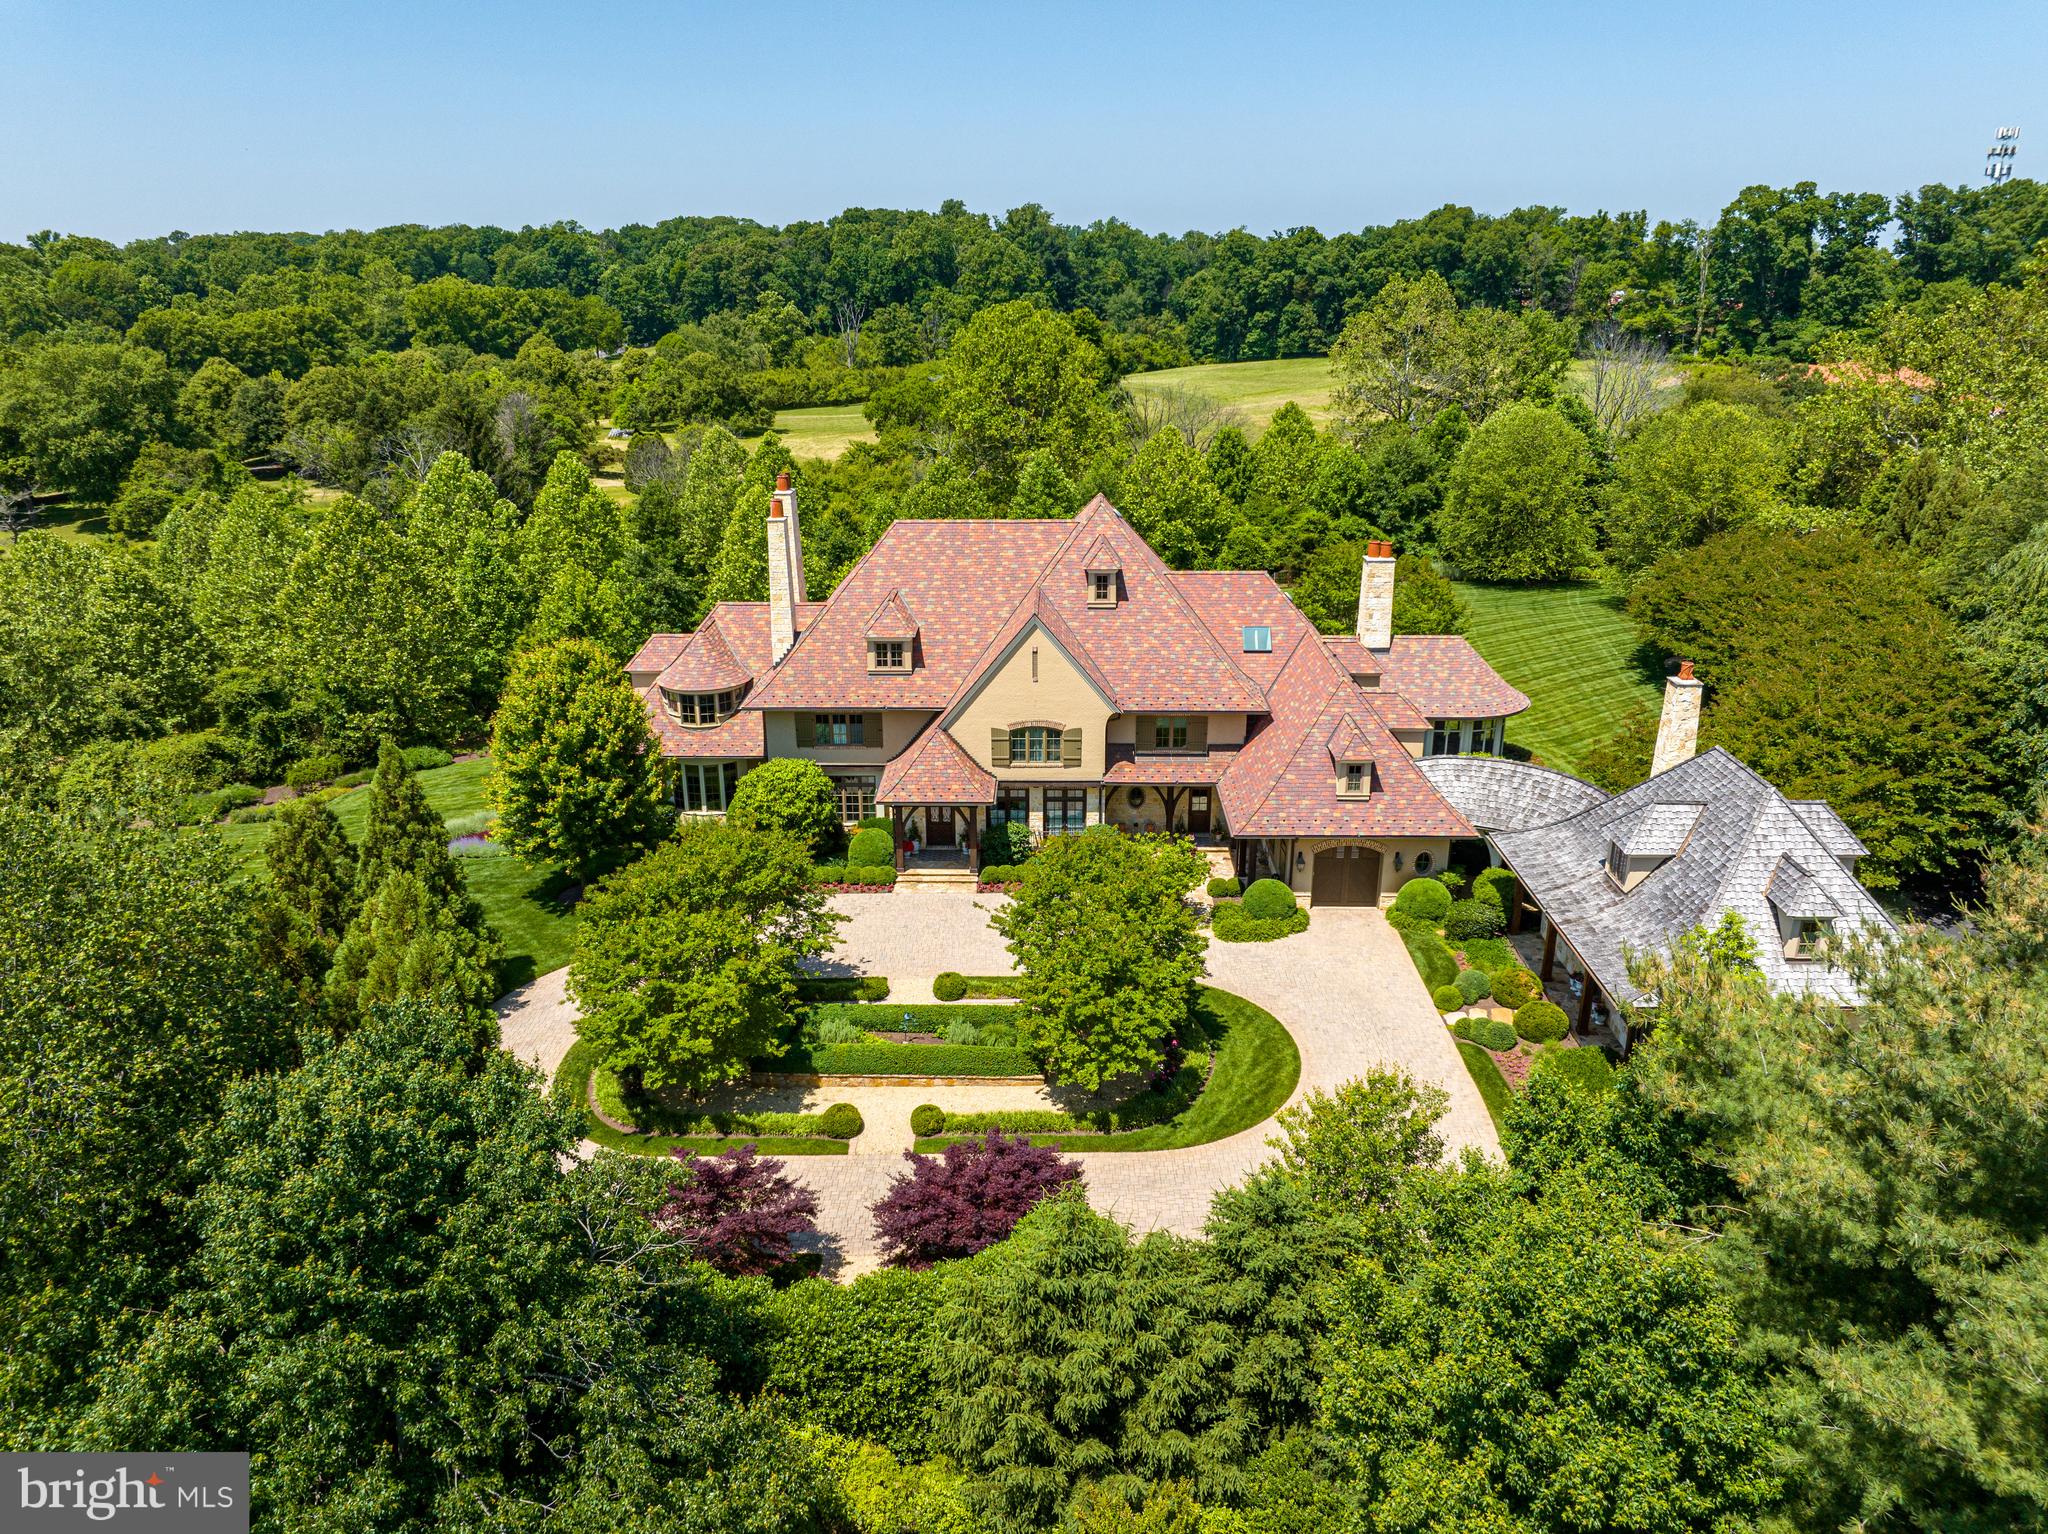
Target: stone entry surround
[1345,989]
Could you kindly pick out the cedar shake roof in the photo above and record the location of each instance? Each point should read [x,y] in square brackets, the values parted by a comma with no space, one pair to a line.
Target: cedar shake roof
[963,579]
[1443,676]
[1497,794]
[935,771]
[1748,844]
[892,620]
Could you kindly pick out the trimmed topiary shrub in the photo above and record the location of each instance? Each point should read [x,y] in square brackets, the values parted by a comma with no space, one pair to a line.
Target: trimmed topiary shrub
[1486,1032]
[1584,1068]
[1234,924]
[1433,961]
[870,849]
[1473,918]
[1474,985]
[843,988]
[841,1121]
[828,873]
[1453,880]
[1448,998]
[1001,873]
[1541,1022]
[1495,886]
[1269,900]
[1424,898]
[1515,987]
[927,1119]
[880,823]
[1224,889]
[950,986]
[425,758]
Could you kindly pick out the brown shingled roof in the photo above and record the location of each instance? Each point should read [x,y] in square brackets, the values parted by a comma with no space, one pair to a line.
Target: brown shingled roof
[1442,675]
[934,770]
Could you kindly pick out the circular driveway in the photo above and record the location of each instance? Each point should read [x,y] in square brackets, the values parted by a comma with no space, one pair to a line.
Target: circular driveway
[1345,990]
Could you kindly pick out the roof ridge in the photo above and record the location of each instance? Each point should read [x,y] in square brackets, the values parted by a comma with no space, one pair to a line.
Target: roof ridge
[1006,632]
[1167,573]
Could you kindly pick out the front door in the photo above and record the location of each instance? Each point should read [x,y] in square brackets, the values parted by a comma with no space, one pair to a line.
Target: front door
[938,828]
[1346,876]
[1198,812]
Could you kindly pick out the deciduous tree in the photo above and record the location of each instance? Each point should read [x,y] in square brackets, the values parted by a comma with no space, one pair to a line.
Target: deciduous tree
[968,1197]
[1110,951]
[790,794]
[1517,500]
[738,1211]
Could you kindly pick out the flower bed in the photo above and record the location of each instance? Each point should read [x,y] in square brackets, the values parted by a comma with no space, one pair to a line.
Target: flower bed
[572,1090]
[882,1059]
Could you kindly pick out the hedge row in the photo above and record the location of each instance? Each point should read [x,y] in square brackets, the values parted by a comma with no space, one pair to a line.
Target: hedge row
[1233,924]
[843,988]
[879,1059]
[1140,1112]
[1487,1032]
[854,875]
[841,1121]
[915,1017]
[1001,875]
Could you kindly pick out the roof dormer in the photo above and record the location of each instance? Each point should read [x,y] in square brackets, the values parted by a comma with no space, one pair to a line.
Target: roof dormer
[892,638]
[1639,847]
[1805,912]
[1351,759]
[1104,570]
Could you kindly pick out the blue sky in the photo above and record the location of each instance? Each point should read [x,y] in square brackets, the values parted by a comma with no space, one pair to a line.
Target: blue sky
[132,118]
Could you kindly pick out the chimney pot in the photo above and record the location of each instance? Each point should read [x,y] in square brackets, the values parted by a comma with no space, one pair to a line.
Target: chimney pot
[782,482]
[1685,671]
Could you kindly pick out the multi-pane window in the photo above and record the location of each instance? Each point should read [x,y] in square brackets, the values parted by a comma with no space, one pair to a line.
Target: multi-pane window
[856,796]
[705,785]
[1066,809]
[1170,734]
[703,707]
[887,655]
[841,729]
[1013,805]
[1354,777]
[1105,587]
[1449,737]
[1031,743]
[1258,639]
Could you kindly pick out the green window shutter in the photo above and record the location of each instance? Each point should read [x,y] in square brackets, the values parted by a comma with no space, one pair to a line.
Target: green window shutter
[871,729]
[1070,747]
[1198,732]
[806,729]
[999,746]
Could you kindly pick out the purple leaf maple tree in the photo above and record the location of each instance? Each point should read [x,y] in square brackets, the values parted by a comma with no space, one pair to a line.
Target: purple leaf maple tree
[968,1197]
[739,1211]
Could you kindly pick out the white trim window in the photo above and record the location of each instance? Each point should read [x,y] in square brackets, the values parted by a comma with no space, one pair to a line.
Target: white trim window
[705,788]
[1035,745]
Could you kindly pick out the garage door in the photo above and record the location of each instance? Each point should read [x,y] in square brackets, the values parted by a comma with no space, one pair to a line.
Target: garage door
[1346,876]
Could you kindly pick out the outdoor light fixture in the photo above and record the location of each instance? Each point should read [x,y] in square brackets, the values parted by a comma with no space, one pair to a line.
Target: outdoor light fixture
[1397,862]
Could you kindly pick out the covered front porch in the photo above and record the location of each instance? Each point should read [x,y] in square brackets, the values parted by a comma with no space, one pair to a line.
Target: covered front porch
[938,836]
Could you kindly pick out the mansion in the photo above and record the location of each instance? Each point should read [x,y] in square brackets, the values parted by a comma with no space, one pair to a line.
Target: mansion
[1058,673]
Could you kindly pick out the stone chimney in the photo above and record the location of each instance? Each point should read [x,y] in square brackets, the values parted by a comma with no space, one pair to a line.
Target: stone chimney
[1376,596]
[785,569]
[1678,727]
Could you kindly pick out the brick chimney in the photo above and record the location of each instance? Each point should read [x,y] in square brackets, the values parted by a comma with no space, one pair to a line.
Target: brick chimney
[1376,596]
[1678,727]
[785,569]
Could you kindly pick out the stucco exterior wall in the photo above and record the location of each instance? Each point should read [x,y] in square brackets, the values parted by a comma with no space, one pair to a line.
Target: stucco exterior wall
[899,728]
[1059,693]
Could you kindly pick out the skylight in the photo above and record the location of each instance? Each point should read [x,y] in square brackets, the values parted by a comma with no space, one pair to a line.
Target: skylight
[1258,639]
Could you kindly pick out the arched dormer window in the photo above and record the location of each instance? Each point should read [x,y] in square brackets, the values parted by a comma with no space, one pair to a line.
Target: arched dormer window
[700,710]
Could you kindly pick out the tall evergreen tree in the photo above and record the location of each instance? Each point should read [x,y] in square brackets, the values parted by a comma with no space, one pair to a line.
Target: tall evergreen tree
[404,833]
[404,946]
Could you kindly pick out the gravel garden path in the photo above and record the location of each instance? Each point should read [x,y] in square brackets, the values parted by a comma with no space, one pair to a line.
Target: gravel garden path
[1344,989]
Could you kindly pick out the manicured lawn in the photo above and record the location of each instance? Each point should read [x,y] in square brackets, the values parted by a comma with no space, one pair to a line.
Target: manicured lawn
[521,900]
[1493,1087]
[1572,651]
[1255,390]
[1256,1068]
[821,431]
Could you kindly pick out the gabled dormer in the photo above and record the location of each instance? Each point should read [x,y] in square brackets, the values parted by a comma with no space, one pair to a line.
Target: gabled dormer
[1639,847]
[1805,912]
[1351,759]
[1104,571]
[892,638]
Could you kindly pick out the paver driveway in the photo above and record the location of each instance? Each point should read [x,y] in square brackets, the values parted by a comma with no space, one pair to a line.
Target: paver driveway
[1344,989]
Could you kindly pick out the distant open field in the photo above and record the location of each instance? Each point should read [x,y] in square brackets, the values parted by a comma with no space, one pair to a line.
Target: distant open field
[1255,390]
[821,431]
[1572,651]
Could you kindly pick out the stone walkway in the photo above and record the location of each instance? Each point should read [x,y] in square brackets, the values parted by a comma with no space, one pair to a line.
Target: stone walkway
[1344,989]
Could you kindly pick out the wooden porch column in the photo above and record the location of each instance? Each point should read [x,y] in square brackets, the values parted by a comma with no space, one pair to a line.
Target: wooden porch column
[1515,911]
[974,838]
[1170,797]
[1585,996]
[896,833]
[1549,949]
